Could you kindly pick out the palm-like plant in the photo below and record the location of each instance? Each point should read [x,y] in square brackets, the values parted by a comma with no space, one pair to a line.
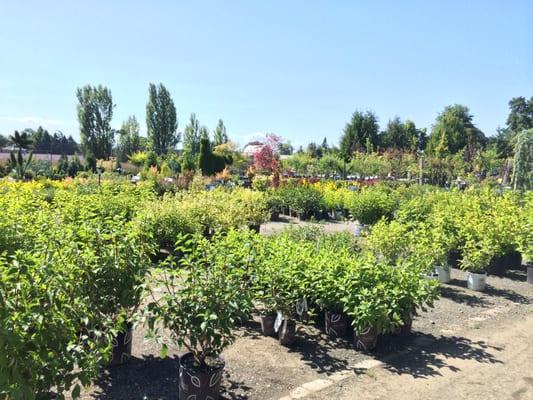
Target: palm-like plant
[22,141]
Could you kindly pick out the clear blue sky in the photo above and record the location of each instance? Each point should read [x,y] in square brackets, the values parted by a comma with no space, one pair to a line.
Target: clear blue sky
[295,68]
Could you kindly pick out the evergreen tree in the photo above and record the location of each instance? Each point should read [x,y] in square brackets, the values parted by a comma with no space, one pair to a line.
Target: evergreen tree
[191,136]
[129,140]
[360,134]
[220,136]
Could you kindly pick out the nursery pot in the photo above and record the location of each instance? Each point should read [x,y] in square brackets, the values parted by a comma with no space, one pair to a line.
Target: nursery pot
[122,346]
[530,273]
[453,258]
[267,325]
[336,324]
[287,332]
[405,329]
[337,214]
[497,265]
[367,339]
[476,281]
[199,383]
[444,273]
[514,260]
[359,228]
[255,227]
[274,216]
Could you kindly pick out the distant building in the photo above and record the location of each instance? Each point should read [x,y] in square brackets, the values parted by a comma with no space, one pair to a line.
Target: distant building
[253,147]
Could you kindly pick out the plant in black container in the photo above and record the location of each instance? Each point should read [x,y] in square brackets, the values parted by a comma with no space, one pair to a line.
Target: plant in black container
[200,302]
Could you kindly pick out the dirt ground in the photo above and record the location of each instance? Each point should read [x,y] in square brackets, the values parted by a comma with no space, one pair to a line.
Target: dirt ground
[480,346]
[490,363]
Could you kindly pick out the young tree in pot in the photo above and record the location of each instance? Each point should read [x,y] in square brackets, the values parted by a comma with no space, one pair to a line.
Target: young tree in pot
[329,271]
[409,291]
[279,283]
[476,258]
[199,306]
[365,301]
[116,261]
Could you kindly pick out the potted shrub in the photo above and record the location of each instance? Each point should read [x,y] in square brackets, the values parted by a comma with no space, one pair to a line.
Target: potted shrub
[279,277]
[475,261]
[328,273]
[42,348]
[199,306]
[409,291]
[116,262]
[364,300]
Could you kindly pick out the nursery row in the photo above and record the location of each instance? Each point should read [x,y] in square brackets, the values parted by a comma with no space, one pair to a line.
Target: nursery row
[77,262]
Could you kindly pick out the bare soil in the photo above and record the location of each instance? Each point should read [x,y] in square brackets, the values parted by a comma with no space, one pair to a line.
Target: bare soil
[467,330]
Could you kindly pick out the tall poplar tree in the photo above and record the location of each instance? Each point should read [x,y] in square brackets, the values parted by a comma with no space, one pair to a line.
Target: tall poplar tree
[161,119]
[95,111]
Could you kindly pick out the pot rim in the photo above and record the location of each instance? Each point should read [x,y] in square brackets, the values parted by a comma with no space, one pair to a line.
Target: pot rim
[209,369]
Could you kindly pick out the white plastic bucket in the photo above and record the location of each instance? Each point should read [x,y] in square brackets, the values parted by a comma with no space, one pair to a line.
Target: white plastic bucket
[476,281]
[444,273]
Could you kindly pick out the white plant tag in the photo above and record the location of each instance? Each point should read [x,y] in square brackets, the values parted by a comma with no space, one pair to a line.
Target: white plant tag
[278,321]
[301,306]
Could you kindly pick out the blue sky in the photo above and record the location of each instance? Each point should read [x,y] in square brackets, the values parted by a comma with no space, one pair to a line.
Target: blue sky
[295,68]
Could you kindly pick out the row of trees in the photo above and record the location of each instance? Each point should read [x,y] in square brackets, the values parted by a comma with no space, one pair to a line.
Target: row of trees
[95,112]
[453,132]
[43,142]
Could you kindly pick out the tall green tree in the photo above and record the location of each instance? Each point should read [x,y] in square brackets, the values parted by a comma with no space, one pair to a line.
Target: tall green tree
[520,118]
[402,136]
[191,136]
[521,114]
[360,134]
[161,119]
[204,133]
[454,131]
[129,140]
[95,111]
[220,135]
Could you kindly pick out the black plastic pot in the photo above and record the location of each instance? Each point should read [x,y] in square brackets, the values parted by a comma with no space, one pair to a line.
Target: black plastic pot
[367,339]
[405,329]
[336,325]
[514,260]
[497,266]
[267,325]
[274,216]
[287,332]
[122,346]
[199,383]
[453,257]
[256,227]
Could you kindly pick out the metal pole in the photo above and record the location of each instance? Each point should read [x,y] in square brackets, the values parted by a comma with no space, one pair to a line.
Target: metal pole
[420,166]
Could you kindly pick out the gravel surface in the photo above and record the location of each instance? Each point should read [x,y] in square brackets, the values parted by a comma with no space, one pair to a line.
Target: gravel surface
[259,367]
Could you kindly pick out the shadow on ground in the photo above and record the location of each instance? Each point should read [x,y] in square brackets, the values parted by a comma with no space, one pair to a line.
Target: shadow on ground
[490,290]
[316,348]
[142,378]
[461,297]
[150,378]
[427,361]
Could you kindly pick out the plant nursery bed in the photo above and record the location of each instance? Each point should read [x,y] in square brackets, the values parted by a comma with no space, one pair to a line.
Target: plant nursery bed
[258,367]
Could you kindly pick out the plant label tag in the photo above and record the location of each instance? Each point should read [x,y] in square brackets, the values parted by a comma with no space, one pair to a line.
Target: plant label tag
[301,306]
[278,321]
